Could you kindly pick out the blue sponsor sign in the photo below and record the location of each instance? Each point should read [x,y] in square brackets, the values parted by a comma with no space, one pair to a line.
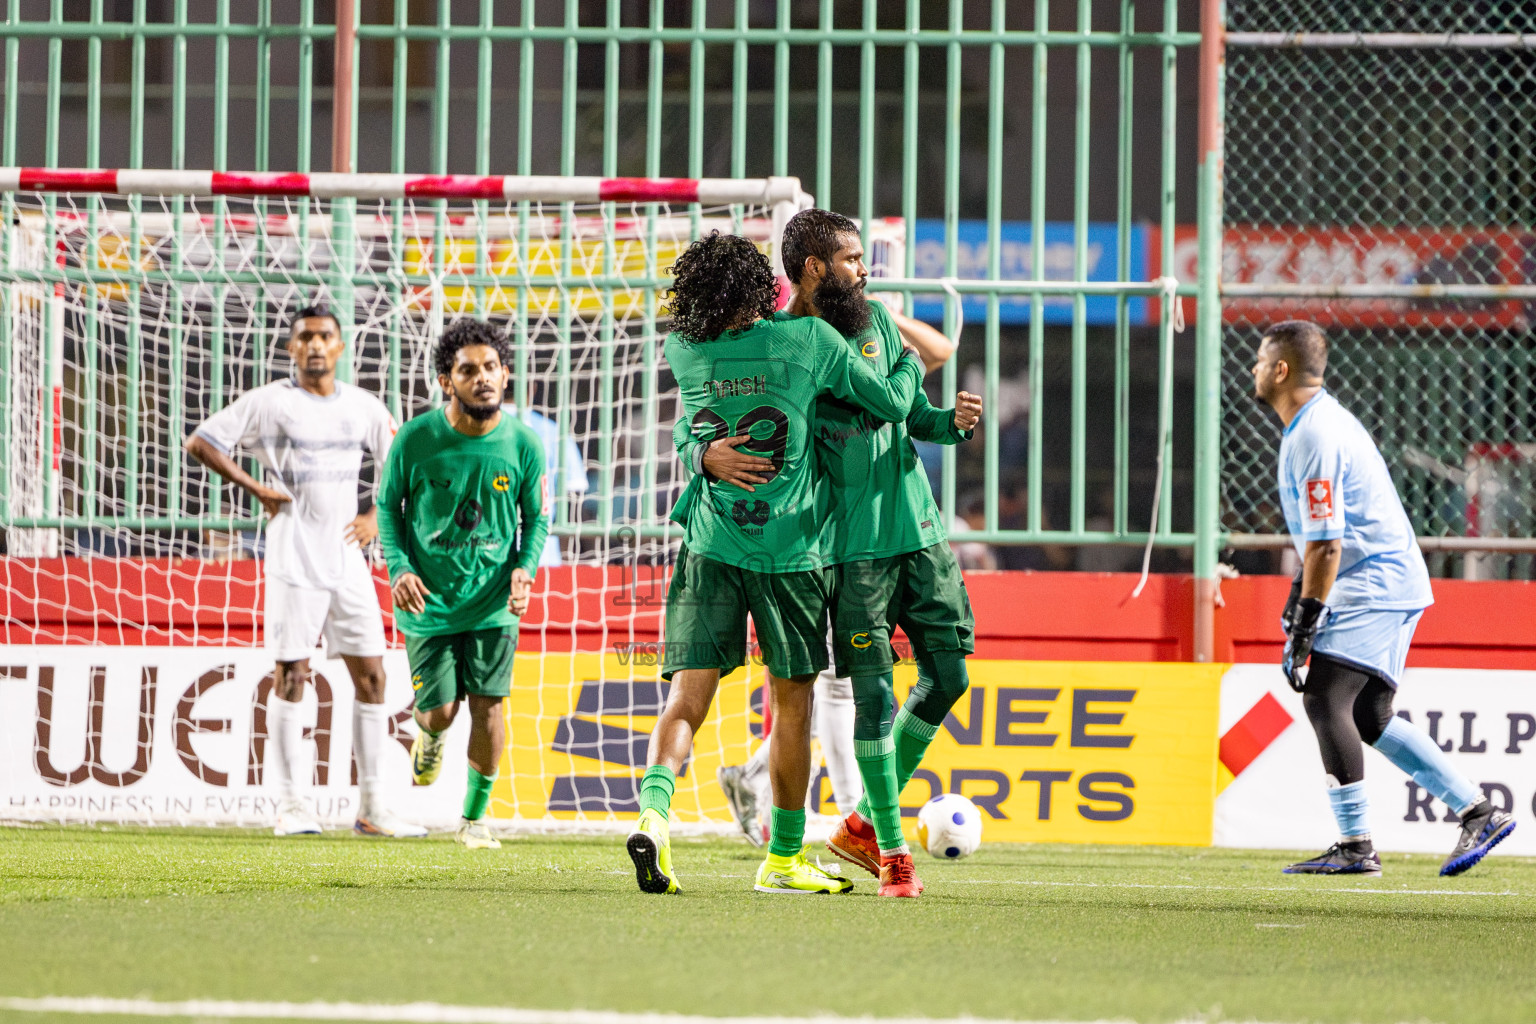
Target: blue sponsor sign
[1016,265]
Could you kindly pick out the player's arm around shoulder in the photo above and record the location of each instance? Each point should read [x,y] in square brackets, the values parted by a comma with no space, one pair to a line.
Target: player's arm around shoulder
[841,372]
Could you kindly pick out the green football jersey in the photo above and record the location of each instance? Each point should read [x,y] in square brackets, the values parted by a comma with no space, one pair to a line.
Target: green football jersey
[878,501]
[764,382]
[450,506]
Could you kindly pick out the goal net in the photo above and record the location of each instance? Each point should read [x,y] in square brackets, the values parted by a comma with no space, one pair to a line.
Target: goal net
[136,304]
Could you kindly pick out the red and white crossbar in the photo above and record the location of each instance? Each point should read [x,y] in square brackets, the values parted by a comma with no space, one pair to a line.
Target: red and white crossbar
[510,188]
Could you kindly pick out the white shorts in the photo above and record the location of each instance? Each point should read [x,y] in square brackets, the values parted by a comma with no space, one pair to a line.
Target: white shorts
[348,618]
[1372,639]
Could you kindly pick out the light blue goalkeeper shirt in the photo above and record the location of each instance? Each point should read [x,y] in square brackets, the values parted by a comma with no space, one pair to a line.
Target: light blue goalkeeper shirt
[1334,485]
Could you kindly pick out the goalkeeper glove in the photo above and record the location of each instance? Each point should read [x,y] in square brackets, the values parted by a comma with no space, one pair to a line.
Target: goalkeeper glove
[1290,604]
[1301,631]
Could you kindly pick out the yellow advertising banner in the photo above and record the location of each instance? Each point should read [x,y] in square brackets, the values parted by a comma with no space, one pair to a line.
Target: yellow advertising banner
[1075,752]
[1079,752]
[578,726]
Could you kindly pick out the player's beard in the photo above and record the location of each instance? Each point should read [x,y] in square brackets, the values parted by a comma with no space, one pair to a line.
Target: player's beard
[843,305]
[476,411]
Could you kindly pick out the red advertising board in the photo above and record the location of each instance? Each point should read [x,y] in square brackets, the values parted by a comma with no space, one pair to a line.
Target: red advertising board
[1344,256]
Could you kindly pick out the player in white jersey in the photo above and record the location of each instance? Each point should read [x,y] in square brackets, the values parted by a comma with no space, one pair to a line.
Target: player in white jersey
[1353,607]
[309,433]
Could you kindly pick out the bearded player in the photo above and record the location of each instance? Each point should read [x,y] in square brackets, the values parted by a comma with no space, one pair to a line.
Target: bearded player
[745,786]
[309,434]
[1361,591]
[742,372]
[885,540]
[463,527]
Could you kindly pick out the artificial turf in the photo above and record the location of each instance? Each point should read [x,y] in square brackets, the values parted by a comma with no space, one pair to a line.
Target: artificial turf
[1018,932]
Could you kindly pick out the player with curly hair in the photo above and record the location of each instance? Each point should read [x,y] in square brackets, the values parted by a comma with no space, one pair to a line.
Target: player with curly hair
[460,484]
[743,374]
[885,542]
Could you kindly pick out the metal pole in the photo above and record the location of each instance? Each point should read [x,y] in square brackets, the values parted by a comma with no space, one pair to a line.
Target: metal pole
[343,224]
[341,103]
[1208,331]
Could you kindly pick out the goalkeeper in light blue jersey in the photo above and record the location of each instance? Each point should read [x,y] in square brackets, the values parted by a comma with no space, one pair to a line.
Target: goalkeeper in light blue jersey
[1353,607]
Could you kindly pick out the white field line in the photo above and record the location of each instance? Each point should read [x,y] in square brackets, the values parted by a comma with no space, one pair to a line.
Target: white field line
[421,1013]
[1303,889]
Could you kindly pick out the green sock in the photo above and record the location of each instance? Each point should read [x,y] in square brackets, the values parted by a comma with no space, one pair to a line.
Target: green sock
[877,766]
[477,795]
[788,833]
[912,736]
[656,787]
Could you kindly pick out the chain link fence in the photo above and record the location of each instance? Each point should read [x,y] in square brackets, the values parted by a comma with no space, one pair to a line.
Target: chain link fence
[1381,181]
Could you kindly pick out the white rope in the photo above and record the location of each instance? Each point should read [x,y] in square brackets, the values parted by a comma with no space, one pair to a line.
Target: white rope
[1173,323]
[949,288]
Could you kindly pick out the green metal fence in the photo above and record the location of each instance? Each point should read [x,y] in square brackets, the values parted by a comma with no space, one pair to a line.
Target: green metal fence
[1025,111]
[1381,179]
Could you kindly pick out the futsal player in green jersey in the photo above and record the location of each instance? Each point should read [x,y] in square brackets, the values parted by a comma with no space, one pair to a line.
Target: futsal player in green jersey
[462,522]
[741,372]
[886,543]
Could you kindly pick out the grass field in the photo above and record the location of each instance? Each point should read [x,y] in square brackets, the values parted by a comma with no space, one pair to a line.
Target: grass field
[1016,932]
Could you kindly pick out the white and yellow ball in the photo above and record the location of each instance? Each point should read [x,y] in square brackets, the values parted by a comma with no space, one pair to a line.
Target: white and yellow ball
[949,827]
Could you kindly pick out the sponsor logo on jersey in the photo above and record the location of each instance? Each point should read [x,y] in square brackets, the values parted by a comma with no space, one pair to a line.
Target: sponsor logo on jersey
[501,483]
[871,348]
[1319,495]
[468,515]
[860,640]
[544,493]
[755,514]
[440,483]
[737,386]
[926,524]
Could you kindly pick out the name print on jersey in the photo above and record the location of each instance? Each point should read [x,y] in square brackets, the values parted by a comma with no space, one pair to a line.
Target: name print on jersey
[736,386]
[1319,500]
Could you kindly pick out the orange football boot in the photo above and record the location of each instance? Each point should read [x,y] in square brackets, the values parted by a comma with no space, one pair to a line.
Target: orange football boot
[856,845]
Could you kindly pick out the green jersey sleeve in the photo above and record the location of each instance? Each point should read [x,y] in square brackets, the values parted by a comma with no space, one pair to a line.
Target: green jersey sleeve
[532,509]
[927,423]
[394,487]
[690,449]
[841,375]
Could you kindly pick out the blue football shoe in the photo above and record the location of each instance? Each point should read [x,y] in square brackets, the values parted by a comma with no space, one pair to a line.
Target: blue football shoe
[1342,858]
[1481,830]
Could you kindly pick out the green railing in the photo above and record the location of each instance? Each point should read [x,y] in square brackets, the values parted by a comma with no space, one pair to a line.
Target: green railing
[944,111]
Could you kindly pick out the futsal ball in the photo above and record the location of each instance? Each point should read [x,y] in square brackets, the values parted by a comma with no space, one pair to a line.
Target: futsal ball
[949,827]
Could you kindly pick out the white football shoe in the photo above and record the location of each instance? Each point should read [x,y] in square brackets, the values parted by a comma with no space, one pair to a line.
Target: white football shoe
[384,823]
[295,819]
[476,835]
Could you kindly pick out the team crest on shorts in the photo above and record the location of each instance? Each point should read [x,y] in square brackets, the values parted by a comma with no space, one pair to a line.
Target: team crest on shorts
[860,640]
[1319,500]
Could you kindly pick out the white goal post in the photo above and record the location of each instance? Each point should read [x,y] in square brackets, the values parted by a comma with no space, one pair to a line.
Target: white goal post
[135,303]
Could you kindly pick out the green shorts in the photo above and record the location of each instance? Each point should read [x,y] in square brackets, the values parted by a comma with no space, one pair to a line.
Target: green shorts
[445,668]
[707,607]
[921,591]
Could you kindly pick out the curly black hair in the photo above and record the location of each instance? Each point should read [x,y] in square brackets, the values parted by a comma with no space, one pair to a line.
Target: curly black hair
[721,282]
[810,233]
[469,331]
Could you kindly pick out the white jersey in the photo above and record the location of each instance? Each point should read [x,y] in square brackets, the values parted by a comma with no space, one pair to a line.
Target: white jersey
[312,449]
[1334,485]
